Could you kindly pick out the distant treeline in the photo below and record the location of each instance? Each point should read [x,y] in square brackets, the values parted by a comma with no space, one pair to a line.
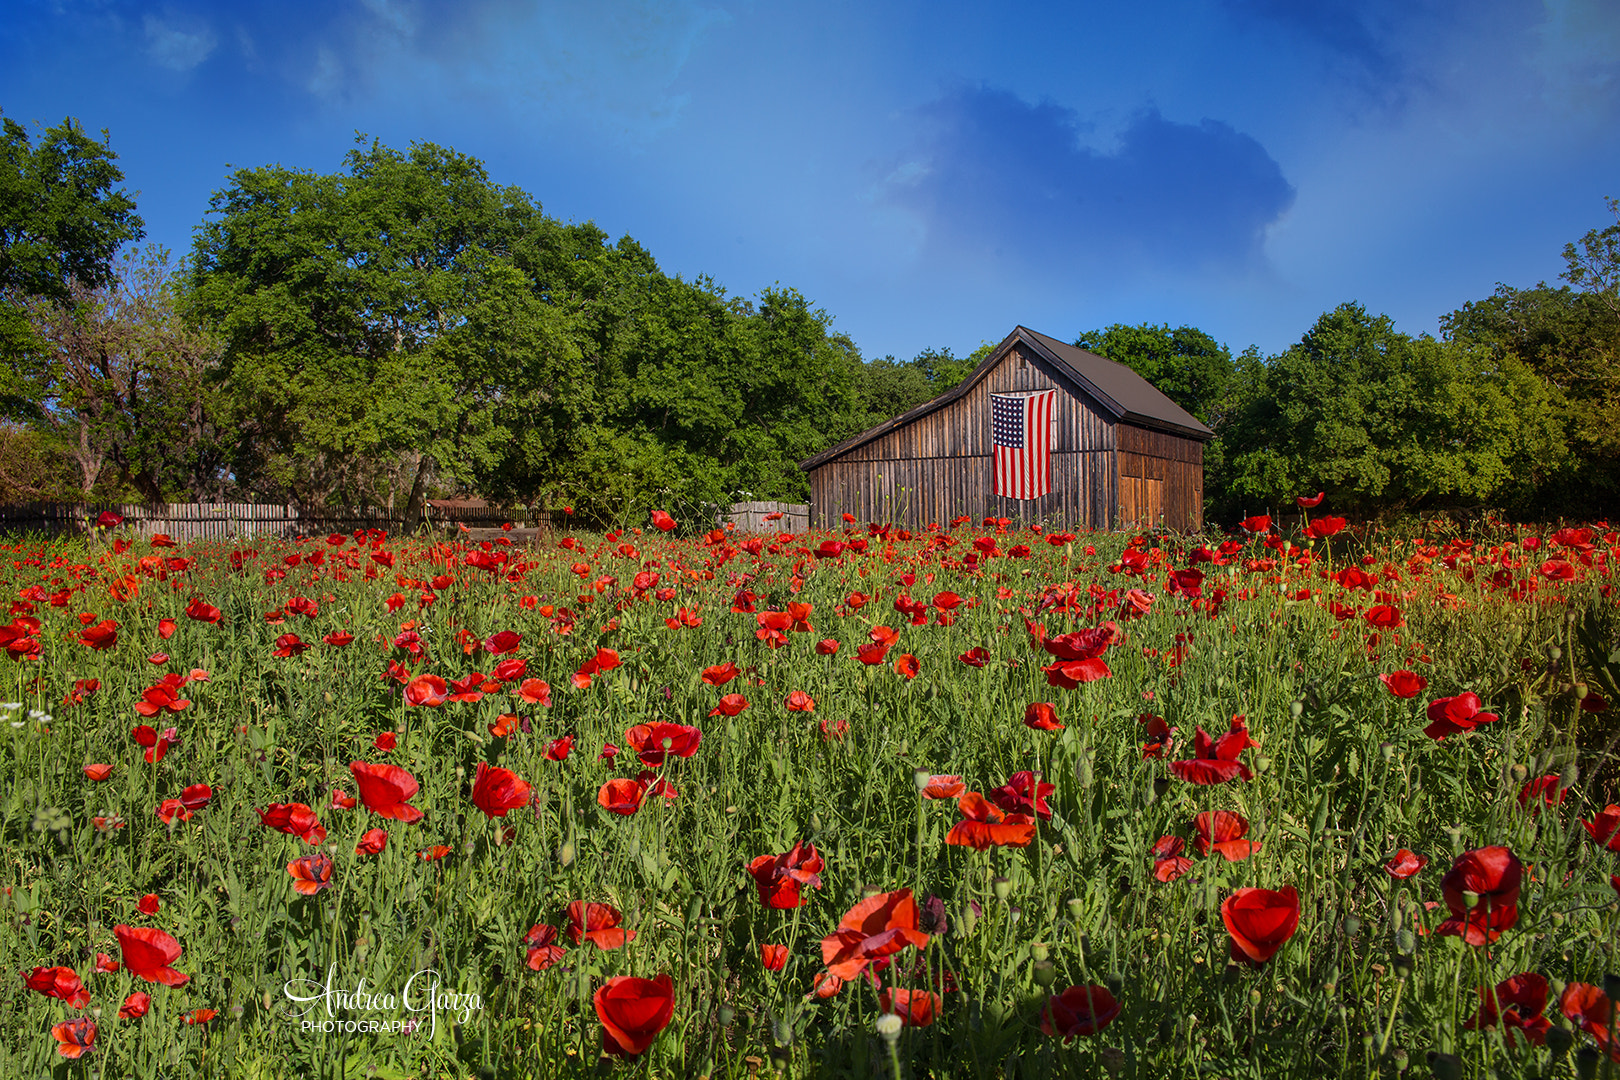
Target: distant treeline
[405,327]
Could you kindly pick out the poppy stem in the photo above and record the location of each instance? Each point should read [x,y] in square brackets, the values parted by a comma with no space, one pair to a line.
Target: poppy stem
[1394,1004]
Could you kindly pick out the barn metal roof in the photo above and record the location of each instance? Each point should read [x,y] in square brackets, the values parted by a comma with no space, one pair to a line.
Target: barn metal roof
[1120,391]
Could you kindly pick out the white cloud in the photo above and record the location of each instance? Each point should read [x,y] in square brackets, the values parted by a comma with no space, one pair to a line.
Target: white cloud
[176,49]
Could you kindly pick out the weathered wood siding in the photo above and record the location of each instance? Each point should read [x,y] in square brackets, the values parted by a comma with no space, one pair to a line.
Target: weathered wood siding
[1161,479]
[939,466]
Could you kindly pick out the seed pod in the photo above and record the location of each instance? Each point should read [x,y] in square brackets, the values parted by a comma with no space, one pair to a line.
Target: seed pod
[1044,973]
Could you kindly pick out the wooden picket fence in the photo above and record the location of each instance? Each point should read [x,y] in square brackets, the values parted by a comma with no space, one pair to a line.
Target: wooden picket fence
[749,517]
[217,521]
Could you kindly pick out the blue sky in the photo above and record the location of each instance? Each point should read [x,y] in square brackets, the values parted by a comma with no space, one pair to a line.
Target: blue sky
[930,174]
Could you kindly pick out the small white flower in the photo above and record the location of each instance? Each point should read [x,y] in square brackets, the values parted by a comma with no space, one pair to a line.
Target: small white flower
[35,714]
[9,705]
[16,723]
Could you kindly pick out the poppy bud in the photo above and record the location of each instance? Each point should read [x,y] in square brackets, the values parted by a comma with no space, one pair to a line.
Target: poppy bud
[1559,1040]
[1255,996]
[1519,772]
[1400,1059]
[921,778]
[1388,750]
[1352,926]
[1003,888]
[1470,898]
[727,1015]
[1586,1062]
[1557,918]
[966,921]
[1555,654]
[1074,908]
[1296,709]
[565,856]
[1014,912]
[1581,691]
[1160,786]
[1405,943]
[1567,778]
[1044,973]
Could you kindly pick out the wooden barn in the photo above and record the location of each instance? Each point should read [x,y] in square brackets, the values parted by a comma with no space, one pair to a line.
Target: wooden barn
[1106,450]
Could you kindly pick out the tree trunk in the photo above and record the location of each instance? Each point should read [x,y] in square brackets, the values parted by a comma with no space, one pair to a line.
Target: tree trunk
[418,499]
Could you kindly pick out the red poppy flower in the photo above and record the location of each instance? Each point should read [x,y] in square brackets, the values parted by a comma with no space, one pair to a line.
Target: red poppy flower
[984,826]
[311,873]
[1324,527]
[876,927]
[1385,617]
[1493,874]
[1604,827]
[598,924]
[107,519]
[1158,731]
[648,740]
[149,904]
[434,853]
[907,667]
[1259,922]
[833,730]
[620,796]
[497,792]
[504,725]
[62,983]
[1451,715]
[1168,861]
[294,819]
[729,705]
[511,669]
[1403,864]
[559,749]
[105,965]
[1404,684]
[385,741]
[1023,794]
[1542,790]
[75,1037]
[1224,831]
[166,628]
[426,690]
[773,957]
[387,790]
[720,674]
[290,645]
[339,801]
[135,1006]
[1260,523]
[1041,716]
[338,638]
[504,642]
[535,692]
[778,877]
[915,1008]
[543,947]
[799,701]
[1310,502]
[873,653]
[1518,1002]
[202,611]
[198,1016]
[1079,1010]
[978,656]
[1215,761]
[944,787]
[103,635]
[1588,1008]
[97,773]
[149,954]
[169,809]
[633,1011]
[372,842]
[663,521]
[827,647]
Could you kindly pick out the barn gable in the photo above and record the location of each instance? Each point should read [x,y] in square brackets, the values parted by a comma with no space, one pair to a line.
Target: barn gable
[1122,451]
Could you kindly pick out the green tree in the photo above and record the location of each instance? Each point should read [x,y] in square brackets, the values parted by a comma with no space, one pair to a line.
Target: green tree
[62,219]
[1383,421]
[1570,338]
[382,314]
[125,383]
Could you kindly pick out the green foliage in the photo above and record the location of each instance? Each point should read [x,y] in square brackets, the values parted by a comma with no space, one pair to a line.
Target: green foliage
[1381,420]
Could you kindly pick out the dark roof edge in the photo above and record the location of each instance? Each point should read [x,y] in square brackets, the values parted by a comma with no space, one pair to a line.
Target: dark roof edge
[920,411]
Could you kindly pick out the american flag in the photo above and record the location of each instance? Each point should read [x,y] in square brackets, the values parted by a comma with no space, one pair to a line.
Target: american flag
[1021,431]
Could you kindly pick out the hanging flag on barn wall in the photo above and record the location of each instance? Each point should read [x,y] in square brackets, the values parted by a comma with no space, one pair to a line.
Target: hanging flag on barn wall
[1021,429]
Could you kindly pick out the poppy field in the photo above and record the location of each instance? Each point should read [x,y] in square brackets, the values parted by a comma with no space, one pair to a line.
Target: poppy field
[971,801]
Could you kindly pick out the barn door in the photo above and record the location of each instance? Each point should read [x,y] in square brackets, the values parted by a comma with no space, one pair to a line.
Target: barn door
[1141,501]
